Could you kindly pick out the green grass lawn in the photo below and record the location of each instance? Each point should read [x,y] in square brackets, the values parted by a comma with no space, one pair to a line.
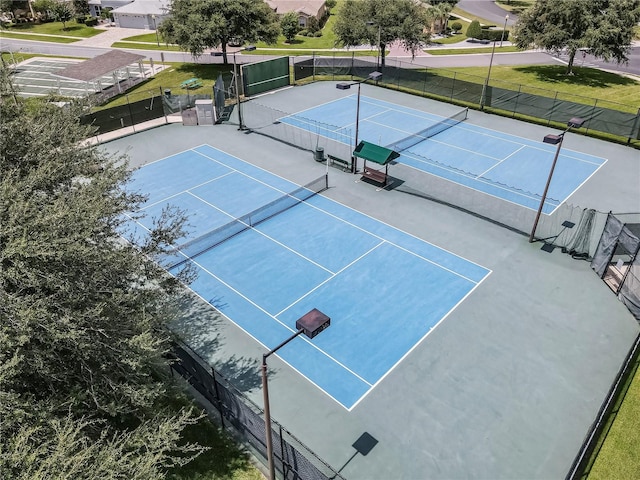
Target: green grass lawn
[585,85]
[171,78]
[619,456]
[147,46]
[37,38]
[55,28]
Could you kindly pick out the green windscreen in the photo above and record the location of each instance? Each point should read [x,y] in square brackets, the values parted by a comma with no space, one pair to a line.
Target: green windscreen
[264,76]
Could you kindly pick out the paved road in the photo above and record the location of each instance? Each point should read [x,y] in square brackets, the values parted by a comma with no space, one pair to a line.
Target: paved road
[488,10]
[633,67]
[475,60]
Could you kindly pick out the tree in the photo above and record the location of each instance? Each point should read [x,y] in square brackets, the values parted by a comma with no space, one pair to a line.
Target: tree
[61,13]
[441,11]
[329,4]
[364,21]
[196,25]
[81,7]
[44,7]
[289,26]
[83,393]
[604,28]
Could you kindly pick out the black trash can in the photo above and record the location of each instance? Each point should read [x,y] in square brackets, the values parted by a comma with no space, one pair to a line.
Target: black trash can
[319,155]
[167,92]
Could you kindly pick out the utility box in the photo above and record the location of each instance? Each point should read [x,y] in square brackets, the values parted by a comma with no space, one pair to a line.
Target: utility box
[205,112]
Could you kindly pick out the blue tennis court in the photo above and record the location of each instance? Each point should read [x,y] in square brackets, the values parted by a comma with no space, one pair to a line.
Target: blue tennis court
[506,166]
[383,289]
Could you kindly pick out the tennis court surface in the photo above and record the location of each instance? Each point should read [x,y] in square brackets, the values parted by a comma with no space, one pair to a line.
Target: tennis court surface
[505,166]
[383,289]
[507,385]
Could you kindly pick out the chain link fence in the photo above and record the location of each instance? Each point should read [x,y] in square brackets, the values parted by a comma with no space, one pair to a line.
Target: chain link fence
[517,101]
[292,458]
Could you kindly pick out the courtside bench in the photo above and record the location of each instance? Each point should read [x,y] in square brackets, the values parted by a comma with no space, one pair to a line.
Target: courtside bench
[345,164]
[376,176]
[377,155]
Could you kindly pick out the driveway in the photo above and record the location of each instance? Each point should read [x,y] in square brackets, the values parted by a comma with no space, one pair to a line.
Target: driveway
[488,10]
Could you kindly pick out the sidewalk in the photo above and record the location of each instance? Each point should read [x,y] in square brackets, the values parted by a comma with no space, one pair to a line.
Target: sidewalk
[110,36]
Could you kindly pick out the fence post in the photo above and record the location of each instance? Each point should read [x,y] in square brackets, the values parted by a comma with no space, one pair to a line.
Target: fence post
[593,111]
[515,107]
[634,127]
[284,464]
[133,124]
[313,67]
[555,99]
[217,392]
[453,85]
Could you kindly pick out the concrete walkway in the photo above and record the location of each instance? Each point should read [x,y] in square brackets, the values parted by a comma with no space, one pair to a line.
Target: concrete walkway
[111,35]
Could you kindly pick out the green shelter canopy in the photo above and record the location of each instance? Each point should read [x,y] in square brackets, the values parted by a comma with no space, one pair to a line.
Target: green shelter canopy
[375,153]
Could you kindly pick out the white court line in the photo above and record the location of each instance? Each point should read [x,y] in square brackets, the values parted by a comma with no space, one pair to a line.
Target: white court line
[330,278]
[277,320]
[359,228]
[500,161]
[188,191]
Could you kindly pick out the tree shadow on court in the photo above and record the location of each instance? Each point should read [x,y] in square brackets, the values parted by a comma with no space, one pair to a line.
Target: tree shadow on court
[582,76]
[198,325]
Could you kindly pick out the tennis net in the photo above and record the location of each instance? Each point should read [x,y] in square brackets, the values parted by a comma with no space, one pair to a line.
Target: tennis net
[191,249]
[429,132]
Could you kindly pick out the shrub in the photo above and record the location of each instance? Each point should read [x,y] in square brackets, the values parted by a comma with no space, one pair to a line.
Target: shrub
[318,33]
[456,26]
[474,30]
[91,22]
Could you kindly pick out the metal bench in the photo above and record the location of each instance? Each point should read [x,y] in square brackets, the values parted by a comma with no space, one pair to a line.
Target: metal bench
[345,164]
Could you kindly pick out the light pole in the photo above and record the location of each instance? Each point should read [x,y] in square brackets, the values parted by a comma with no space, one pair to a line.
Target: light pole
[503,29]
[248,48]
[553,140]
[311,324]
[155,27]
[372,76]
[486,82]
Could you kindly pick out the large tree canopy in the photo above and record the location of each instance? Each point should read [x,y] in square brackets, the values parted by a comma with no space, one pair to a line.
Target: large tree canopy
[82,391]
[196,25]
[604,28]
[366,21]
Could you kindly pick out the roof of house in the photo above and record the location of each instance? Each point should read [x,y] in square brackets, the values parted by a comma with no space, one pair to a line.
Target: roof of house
[145,7]
[308,7]
[101,65]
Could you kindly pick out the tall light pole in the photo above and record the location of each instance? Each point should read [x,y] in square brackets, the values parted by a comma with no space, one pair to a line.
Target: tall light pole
[248,48]
[372,76]
[553,140]
[486,82]
[311,324]
[155,27]
[506,18]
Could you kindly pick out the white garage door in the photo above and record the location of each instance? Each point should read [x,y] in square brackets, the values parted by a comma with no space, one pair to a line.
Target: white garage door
[132,21]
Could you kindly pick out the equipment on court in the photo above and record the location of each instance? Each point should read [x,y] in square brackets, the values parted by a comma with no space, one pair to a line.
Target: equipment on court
[215,237]
[429,132]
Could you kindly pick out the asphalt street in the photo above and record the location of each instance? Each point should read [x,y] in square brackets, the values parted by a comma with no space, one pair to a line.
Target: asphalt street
[488,10]
[435,61]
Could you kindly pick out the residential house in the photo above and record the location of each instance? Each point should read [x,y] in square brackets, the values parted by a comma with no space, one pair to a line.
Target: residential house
[305,9]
